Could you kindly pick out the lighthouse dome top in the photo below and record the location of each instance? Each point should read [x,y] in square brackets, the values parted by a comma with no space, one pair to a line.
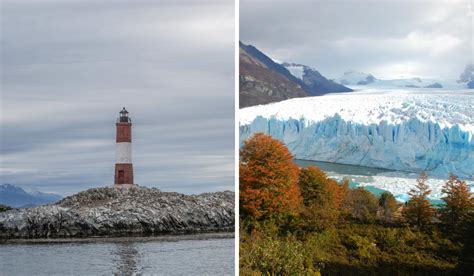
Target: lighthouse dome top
[124,115]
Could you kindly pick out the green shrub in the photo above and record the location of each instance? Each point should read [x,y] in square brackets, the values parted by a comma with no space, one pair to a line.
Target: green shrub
[261,254]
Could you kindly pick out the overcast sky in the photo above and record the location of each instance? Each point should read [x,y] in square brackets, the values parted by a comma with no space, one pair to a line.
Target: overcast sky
[389,39]
[68,68]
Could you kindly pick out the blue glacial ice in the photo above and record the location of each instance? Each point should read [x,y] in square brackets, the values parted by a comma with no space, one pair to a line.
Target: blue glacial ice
[398,131]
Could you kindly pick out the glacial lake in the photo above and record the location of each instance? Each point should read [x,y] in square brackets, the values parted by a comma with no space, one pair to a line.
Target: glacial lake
[378,180]
[206,254]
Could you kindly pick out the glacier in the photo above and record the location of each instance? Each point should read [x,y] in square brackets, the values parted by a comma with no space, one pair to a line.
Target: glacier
[396,129]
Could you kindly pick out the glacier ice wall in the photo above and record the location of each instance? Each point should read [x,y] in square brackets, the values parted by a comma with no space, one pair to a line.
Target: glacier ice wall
[410,145]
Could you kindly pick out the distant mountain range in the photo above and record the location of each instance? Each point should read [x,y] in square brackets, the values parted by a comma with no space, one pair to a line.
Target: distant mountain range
[264,81]
[354,78]
[359,78]
[16,197]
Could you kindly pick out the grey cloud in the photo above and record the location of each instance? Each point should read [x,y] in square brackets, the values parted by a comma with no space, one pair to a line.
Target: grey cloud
[428,38]
[69,66]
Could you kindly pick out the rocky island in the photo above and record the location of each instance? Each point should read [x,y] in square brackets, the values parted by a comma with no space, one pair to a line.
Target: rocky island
[122,211]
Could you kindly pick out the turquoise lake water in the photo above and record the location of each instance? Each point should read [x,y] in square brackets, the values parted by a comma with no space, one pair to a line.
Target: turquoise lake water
[355,172]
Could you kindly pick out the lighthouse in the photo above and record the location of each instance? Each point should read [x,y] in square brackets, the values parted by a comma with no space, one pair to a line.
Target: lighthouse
[123,164]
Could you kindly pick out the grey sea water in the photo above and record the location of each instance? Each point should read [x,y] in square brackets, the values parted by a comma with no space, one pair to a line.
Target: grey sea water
[172,255]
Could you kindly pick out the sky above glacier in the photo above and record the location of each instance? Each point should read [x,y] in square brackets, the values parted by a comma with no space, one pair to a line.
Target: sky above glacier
[389,39]
[68,68]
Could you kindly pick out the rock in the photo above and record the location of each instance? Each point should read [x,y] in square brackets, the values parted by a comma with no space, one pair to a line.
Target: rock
[112,211]
[264,81]
[261,80]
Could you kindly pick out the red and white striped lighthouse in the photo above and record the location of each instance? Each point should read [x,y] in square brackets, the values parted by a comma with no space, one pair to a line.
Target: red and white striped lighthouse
[123,164]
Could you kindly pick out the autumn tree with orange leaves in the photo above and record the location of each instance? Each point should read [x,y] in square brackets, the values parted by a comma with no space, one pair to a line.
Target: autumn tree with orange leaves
[268,179]
[418,210]
[459,204]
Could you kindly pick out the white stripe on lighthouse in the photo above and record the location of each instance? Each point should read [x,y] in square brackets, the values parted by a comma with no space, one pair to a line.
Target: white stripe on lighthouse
[124,153]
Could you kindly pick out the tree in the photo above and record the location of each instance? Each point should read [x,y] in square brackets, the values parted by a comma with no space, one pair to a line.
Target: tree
[268,179]
[459,203]
[316,187]
[466,258]
[389,206]
[322,198]
[418,210]
[361,204]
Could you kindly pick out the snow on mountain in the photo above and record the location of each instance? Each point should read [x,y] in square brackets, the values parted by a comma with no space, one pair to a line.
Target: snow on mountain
[313,82]
[355,78]
[467,77]
[262,81]
[296,70]
[398,129]
[416,83]
[360,80]
[15,196]
[468,74]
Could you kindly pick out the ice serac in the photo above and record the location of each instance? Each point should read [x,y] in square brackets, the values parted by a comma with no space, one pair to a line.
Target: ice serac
[397,130]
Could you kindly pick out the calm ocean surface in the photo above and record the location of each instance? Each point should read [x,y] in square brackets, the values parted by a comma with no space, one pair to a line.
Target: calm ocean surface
[174,255]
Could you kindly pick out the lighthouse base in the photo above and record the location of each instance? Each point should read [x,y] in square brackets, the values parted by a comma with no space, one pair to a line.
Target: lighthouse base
[123,174]
[125,186]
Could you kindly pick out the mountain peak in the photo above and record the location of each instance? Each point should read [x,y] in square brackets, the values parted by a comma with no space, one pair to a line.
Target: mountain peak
[314,83]
[468,76]
[352,77]
[11,188]
[300,70]
[15,196]
[263,81]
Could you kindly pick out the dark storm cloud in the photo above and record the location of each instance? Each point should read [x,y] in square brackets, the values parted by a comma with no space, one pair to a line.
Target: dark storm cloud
[68,67]
[385,38]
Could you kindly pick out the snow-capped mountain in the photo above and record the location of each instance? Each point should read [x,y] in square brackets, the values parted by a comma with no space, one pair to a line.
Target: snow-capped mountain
[393,129]
[467,77]
[411,83]
[262,80]
[313,81]
[355,78]
[15,196]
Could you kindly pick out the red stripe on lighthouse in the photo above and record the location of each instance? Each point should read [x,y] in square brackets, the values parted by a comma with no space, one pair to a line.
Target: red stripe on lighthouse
[124,132]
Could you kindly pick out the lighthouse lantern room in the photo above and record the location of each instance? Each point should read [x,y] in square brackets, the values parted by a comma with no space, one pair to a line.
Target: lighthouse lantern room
[123,164]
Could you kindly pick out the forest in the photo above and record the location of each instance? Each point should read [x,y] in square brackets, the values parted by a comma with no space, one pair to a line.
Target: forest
[298,221]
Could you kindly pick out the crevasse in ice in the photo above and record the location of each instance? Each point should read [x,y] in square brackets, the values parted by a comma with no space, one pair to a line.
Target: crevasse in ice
[395,129]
